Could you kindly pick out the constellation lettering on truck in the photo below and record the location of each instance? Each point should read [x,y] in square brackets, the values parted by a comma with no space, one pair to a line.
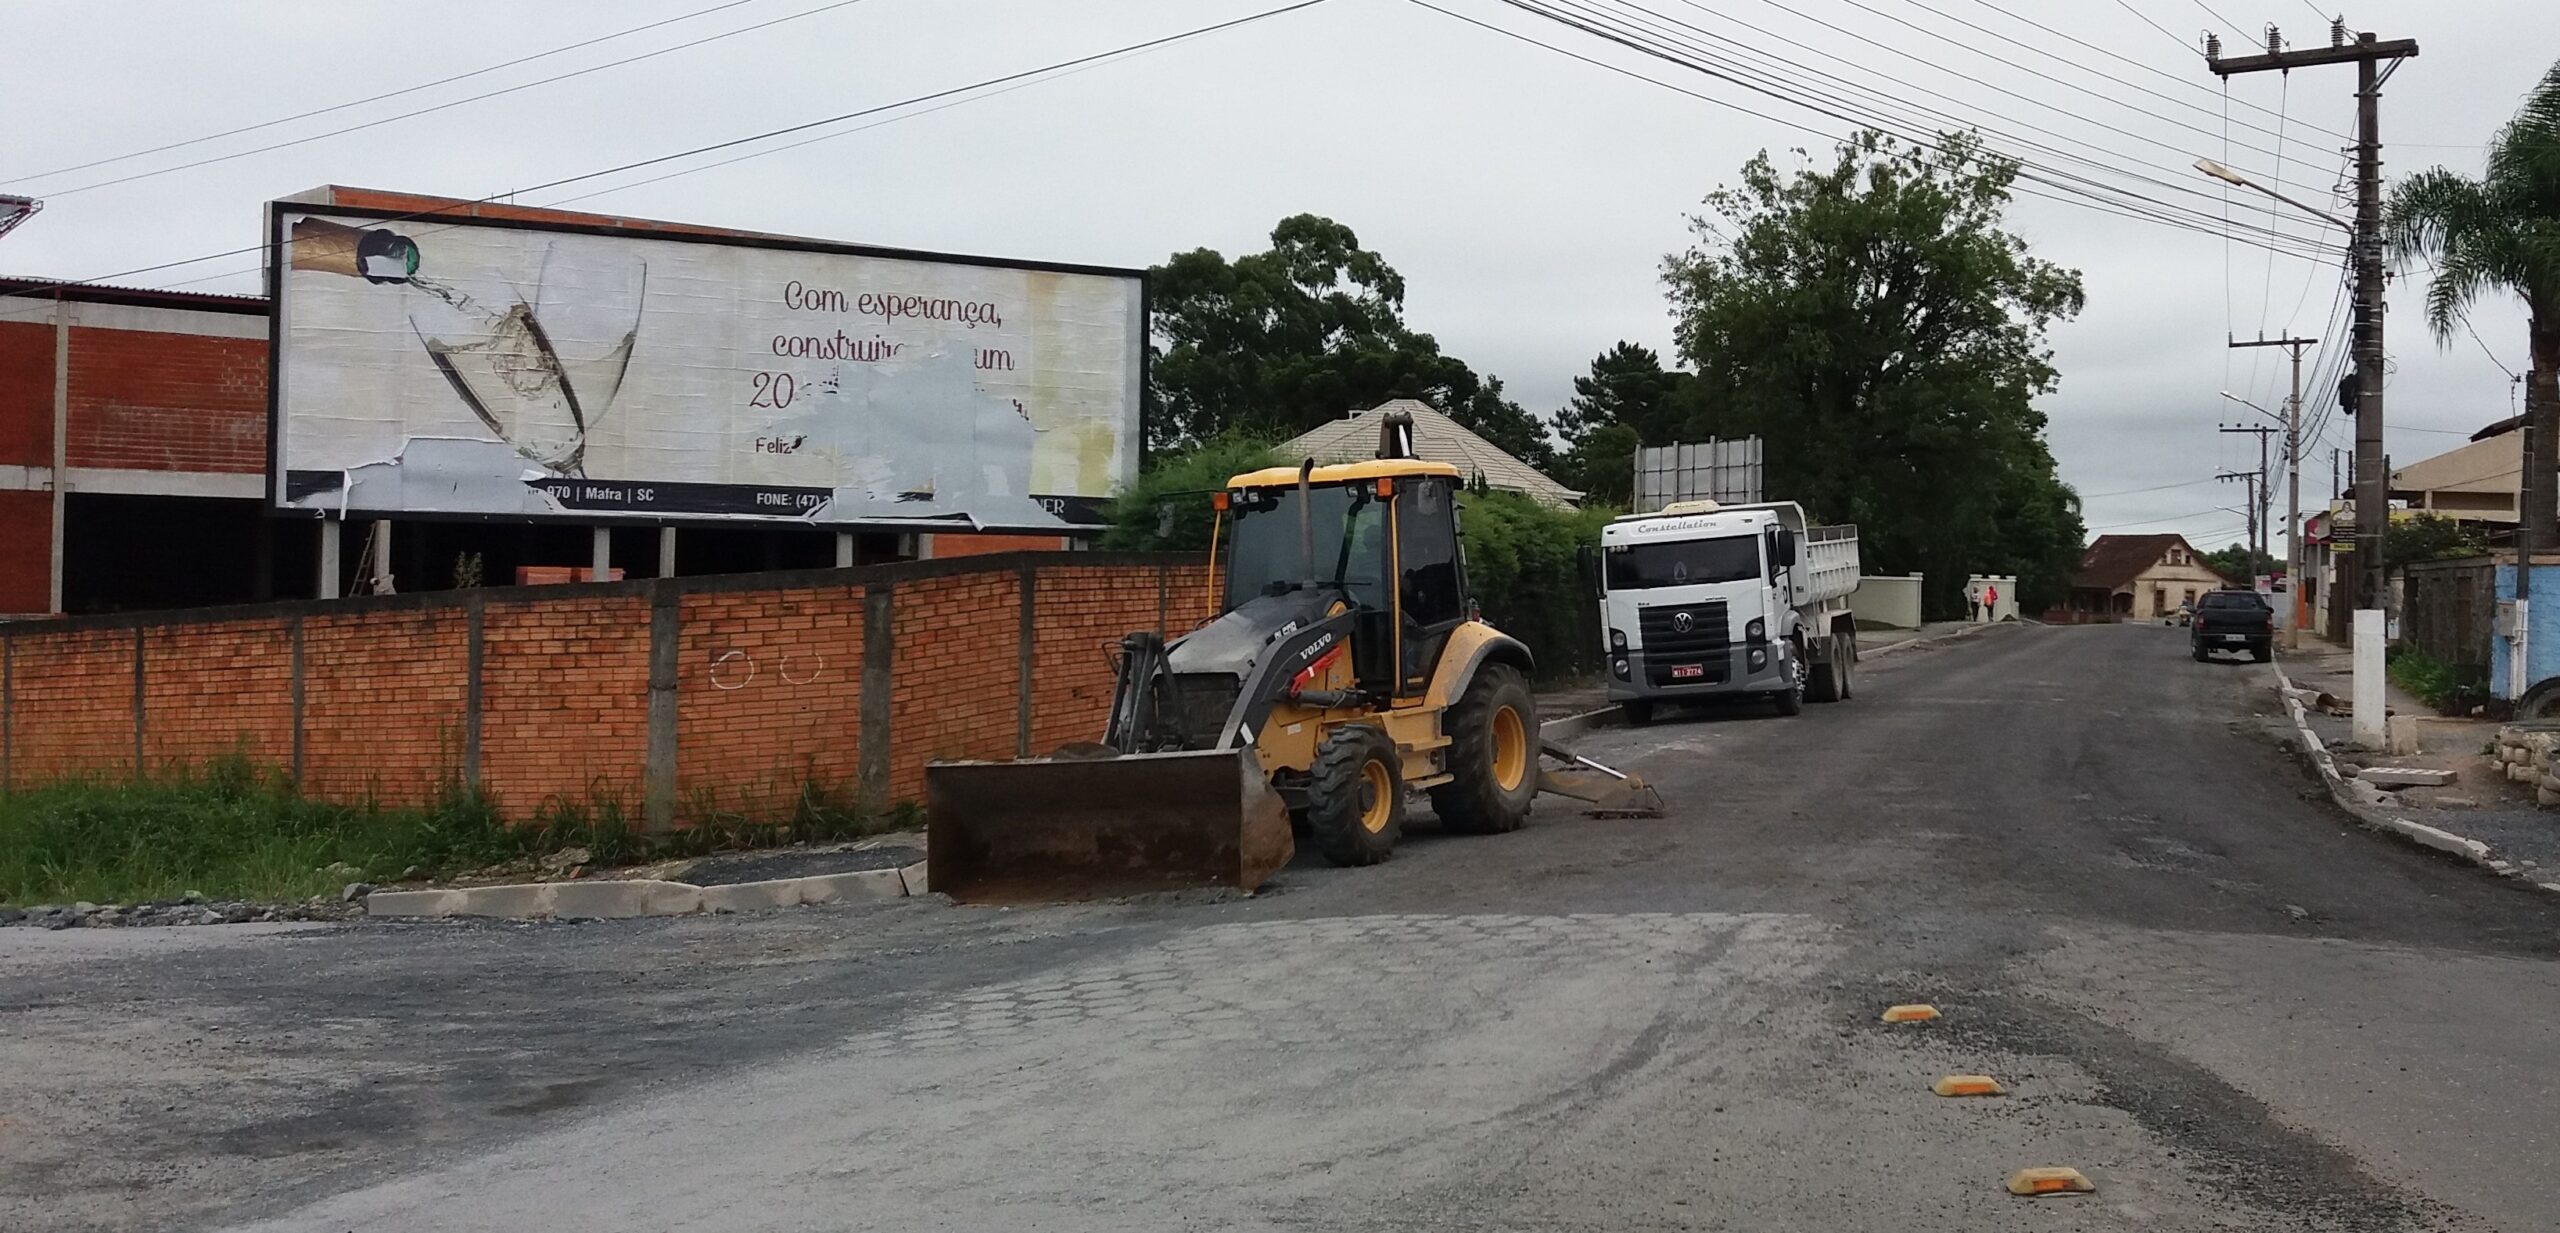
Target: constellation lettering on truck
[531,369]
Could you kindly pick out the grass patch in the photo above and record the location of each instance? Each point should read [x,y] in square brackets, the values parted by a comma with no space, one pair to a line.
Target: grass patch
[234,829]
[2431,680]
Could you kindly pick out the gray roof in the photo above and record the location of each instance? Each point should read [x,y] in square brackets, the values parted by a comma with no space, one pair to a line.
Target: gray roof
[1437,438]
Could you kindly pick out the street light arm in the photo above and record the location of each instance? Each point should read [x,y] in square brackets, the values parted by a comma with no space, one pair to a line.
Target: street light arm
[2228,176]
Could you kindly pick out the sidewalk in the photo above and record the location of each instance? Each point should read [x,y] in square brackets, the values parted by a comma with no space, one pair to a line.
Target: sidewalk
[2480,804]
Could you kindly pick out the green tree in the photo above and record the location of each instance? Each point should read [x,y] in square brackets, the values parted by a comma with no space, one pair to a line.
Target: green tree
[2500,233]
[2239,564]
[2430,537]
[1877,326]
[1626,400]
[1507,424]
[1280,341]
[1168,509]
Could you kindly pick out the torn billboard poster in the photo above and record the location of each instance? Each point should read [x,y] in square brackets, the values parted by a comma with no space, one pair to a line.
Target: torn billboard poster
[443,366]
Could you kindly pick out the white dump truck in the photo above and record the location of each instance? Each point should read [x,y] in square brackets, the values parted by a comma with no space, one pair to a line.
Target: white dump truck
[1704,599]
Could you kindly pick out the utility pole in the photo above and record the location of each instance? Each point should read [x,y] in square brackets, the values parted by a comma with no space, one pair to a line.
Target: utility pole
[2253,480]
[2293,483]
[2375,61]
[2258,494]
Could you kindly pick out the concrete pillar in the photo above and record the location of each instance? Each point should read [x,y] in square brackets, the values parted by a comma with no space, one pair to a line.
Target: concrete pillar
[326,585]
[2369,701]
[666,552]
[844,550]
[381,556]
[61,452]
[920,547]
[602,568]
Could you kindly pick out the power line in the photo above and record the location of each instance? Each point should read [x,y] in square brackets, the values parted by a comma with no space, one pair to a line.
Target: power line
[1939,115]
[2127,6]
[388,94]
[2127,492]
[2224,20]
[786,130]
[2112,53]
[411,114]
[2106,198]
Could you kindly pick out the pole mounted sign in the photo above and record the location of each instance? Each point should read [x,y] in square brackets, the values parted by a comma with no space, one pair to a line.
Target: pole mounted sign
[442,366]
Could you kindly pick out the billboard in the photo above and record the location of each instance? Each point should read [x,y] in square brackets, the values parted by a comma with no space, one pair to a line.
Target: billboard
[437,366]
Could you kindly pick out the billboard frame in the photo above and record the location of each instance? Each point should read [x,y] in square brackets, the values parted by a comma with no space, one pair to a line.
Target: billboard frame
[276,264]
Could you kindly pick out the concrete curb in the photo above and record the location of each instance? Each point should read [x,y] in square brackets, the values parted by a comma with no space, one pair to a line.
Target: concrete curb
[624,899]
[2364,802]
[1969,631]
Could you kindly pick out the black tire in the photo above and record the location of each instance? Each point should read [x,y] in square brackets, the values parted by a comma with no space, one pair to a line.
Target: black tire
[1355,797]
[1848,663]
[2200,652]
[2261,652]
[1824,682]
[1484,748]
[1638,711]
[1790,701]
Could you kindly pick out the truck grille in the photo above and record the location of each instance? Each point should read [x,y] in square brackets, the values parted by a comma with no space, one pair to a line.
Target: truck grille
[1660,627]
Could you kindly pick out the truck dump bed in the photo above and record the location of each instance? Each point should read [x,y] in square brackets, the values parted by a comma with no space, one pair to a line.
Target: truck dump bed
[1830,564]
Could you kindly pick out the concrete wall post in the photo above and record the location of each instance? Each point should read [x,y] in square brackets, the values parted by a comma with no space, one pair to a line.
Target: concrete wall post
[666,636]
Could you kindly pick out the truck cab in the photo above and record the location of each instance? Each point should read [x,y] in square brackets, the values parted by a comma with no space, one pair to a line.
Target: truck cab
[1704,599]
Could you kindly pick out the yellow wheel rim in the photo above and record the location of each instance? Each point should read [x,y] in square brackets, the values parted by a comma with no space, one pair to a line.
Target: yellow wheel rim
[1510,749]
[1377,796]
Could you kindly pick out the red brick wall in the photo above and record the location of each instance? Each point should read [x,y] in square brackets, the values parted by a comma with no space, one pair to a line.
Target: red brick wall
[383,694]
[565,700]
[768,697]
[768,684]
[948,544]
[26,392]
[71,705]
[26,552]
[956,685]
[167,402]
[213,689]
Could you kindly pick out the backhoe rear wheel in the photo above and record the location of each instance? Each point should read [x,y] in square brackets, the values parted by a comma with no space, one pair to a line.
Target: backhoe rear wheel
[1493,755]
[1355,796]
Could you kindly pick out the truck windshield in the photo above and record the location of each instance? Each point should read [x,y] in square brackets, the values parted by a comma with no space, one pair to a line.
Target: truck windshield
[1680,563]
[1351,543]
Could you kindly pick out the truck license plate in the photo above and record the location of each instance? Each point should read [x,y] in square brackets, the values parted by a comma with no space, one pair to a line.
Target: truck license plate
[1682,672]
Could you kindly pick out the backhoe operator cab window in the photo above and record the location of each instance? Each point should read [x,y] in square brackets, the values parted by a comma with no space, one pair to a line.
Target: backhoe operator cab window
[1266,556]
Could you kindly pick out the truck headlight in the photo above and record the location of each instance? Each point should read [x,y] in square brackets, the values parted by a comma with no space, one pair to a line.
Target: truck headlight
[1757,630]
[1620,667]
[1617,640]
[1759,659]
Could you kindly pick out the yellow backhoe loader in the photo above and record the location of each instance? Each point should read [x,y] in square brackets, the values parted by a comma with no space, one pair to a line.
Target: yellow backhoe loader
[1347,666]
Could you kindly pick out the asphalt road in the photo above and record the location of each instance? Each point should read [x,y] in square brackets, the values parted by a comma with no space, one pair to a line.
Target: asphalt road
[2202,988]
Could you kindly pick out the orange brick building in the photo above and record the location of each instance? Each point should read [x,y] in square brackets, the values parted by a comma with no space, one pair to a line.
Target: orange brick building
[133,457]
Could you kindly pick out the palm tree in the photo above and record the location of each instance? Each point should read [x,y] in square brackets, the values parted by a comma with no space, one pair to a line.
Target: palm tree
[2500,232]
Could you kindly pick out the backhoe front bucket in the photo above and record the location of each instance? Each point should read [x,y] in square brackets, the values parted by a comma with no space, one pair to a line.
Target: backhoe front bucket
[1075,827]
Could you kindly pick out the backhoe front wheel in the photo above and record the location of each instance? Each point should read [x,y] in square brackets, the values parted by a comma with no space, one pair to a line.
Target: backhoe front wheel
[1493,755]
[1355,796]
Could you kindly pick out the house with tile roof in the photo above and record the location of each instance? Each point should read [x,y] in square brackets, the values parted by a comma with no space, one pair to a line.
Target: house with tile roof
[2139,577]
[1437,438]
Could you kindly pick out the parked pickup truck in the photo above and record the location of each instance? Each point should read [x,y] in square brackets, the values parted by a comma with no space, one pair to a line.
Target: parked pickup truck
[2232,621]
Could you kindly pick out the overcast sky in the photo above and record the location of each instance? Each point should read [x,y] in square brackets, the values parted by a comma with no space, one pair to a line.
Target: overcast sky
[1526,197]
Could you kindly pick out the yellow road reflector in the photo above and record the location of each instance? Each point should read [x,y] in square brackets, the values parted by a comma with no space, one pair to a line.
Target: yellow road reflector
[1911,1012]
[2049,1181]
[1967,1085]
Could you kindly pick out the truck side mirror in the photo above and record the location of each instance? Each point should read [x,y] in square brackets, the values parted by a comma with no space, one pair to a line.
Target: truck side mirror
[1786,547]
[1587,559]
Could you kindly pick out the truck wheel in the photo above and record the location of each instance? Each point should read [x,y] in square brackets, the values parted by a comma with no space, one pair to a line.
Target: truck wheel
[1493,755]
[1790,700]
[1848,661]
[1355,797]
[1823,682]
[1639,711]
